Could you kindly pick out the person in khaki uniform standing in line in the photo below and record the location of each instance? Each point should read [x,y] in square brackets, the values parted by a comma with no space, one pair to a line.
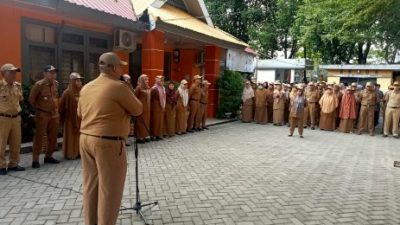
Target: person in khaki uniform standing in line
[194,103]
[204,105]
[10,120]
[392,111]
[44,99]
[312,96]
[368,101]
[106,105]
[68,118]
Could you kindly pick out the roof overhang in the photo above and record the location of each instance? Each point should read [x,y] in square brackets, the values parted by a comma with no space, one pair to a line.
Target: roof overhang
[174,20]
[392,67]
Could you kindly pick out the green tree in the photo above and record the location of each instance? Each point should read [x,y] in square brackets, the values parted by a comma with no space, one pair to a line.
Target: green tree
[230,86]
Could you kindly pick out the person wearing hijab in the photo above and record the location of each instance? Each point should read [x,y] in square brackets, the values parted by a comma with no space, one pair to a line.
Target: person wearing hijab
[157,113]
[182,111]
[297,105]
[261,115]
[348,111]
[68,117]
[170,110]
[270,101]
[142,124]
[279,105]
[247,99]
[339,94]
[328,103]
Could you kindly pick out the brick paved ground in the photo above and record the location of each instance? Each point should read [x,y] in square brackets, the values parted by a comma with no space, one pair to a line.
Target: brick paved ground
[232,174]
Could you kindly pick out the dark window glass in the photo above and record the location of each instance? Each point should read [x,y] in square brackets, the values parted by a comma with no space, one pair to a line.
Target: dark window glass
[71,61]
[93,67]
[38,58]
[98,43]
[72,38]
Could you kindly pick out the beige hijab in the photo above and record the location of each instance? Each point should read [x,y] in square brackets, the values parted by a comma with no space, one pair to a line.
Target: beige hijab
[248,93]
[328,102]
[184,93]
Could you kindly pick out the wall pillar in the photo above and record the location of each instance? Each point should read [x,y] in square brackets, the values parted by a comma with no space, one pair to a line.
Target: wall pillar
[153,54]
[212,58]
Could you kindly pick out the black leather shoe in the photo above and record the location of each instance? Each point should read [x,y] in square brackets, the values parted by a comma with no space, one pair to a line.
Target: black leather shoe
[16,168]
[141,141]
[206,128]
[35,165]
[190,131]
[51,160]
[3,171]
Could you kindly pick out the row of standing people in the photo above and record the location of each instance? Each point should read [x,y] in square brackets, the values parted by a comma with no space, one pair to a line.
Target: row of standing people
[167,112]
[344,109]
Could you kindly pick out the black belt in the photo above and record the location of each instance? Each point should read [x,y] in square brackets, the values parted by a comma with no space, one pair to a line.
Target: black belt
[204,103]
[368,105]
[42,110]
[312,102]
[9,116]
[192,99]
[115,138]
[394,107]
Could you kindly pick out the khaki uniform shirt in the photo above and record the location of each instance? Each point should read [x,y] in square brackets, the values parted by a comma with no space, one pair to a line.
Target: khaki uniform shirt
[44,96]
[10,96]
[106,105]
[368,98]
[195,92]
[204,96]
[394,100]
[312,96]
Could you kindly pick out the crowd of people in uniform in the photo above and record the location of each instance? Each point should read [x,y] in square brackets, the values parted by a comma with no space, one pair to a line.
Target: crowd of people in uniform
[166,112]
[97,118]
[331,107]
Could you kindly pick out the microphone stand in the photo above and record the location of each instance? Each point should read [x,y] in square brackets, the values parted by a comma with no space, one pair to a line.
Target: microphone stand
[139,205]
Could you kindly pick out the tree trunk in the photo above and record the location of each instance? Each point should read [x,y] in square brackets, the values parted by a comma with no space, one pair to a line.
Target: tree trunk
[285,46]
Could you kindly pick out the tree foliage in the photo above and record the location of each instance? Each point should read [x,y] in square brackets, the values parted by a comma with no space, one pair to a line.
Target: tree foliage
[230,86]
[330,31]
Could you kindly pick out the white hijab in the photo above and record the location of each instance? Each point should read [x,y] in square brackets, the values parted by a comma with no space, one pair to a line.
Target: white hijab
[184,93]
[248,93]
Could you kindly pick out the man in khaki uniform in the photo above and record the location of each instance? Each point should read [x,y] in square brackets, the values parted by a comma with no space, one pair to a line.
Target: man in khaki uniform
[10,96]
[105,106]
[44,99]
[392,114]
[194,103]
[312,96]
[368,101]
[203,105]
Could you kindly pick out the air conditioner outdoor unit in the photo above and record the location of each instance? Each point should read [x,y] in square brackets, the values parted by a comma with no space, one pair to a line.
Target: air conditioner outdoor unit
[124,40]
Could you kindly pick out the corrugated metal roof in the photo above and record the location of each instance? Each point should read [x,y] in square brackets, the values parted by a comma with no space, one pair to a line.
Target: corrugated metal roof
[174,16]
[121,8]
[283,64]
[361,67]
[139,6]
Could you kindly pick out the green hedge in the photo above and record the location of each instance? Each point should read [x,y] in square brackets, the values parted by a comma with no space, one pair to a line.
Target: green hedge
[230,86]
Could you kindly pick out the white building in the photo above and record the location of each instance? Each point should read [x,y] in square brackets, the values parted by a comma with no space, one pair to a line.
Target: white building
[284,70]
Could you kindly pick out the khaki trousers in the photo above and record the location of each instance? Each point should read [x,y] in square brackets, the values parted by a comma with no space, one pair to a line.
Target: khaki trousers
[10,133]
[392,116]
[45,125]
[203,114]
[312,113]
[194,113]
[366,119]
[297,121]
[305,120]
[104,168]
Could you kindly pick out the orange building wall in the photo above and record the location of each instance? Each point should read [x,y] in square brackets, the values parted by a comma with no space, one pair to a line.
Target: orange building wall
[11,17]
[186,68]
